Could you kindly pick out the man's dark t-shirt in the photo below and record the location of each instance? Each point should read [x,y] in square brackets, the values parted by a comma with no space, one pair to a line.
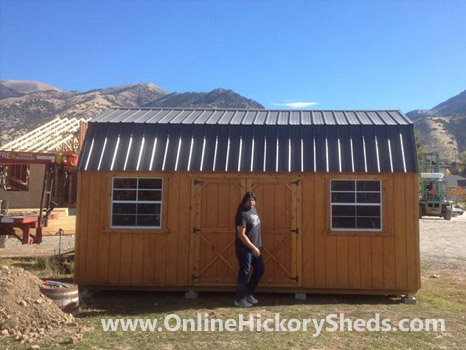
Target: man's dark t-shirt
[250,220]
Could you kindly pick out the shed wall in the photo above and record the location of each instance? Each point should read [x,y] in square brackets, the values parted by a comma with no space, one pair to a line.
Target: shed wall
[325,261]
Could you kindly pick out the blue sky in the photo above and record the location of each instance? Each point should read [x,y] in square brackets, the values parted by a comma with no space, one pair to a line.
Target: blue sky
[337,54]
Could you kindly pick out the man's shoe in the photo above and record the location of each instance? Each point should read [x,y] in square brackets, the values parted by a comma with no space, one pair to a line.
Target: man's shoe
[243,303]
[251,299]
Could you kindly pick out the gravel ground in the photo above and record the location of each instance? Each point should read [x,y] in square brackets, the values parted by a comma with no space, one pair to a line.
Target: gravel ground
[443,243]
[49,246]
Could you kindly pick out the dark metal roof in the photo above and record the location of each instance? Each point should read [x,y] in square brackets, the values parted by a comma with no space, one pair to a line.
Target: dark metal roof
[249,117]
[273,147]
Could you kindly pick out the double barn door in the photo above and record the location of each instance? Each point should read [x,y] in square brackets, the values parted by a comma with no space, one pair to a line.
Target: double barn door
[214,203]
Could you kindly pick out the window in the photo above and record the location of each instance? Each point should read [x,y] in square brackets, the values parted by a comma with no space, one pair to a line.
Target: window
[136,202]
[356,205]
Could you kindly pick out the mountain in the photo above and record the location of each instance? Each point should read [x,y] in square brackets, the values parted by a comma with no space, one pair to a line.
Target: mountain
[25,105]
[442,129]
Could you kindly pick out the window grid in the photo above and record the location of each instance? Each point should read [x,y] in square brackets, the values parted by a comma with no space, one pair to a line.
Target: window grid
[356,204]
[136,202]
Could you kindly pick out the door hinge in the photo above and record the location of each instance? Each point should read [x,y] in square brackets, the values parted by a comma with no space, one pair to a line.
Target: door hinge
[296,230]
[195,229]
[295,182]
[295,278]
[194,277]
[197,182]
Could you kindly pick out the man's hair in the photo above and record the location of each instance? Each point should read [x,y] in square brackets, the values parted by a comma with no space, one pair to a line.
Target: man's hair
[245,199]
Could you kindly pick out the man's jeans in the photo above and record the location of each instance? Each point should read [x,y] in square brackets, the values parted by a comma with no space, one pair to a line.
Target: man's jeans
[246,259]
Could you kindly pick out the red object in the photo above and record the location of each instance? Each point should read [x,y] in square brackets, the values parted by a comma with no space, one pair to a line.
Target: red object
[23,222]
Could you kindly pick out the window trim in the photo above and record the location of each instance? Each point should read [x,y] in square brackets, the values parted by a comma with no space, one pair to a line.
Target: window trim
[159,228]
[381,204]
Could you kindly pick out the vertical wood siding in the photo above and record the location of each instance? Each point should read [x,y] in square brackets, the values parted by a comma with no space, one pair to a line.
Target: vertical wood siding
[323,260]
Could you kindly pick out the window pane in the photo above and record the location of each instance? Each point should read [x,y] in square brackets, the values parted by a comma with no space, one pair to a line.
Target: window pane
[368,197]
[148,208]
[150,183]
[343,210]
[124,195]
[373,223]
[370,210]
[342,197]
[342,185]
[150,195]
[344,222]
[124,220]
[124,208]
[148,220]
[368,185]
[124,183]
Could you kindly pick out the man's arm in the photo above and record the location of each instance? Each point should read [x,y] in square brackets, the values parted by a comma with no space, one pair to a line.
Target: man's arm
[243,238]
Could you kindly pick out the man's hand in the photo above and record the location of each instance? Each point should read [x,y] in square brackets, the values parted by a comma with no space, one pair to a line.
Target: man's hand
[256,252]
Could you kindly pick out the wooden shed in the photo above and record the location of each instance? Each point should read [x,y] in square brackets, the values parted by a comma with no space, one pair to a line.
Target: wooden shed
[336,191]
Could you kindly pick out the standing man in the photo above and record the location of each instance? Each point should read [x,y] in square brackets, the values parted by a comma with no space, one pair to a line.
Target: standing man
[248,250]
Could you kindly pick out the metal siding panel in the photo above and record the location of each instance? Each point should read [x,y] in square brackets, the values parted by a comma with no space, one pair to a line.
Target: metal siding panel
[272,117]
[191,118]
[197,134]
[384,155]
[363,118]
[410,149]
[340,118]
[295,117]
[306,118]
[138,132]
[397,156]
[247,133]
[154,119]
[259,134]
[271,151]
[319,134]
[238,118]
[375,118]
[307,134]
[317,118]
[351,117]
[249,117]
[181,116]
[328,118]
[169,116]
[283,118]
[105,114]
[398,117]
[369,137]
[332,140]
[161,132]
[125,134]
[210,134]
[260,118]
[385,117]
[183,159]
[295,136]
[149,134]
[112,136]
[226,118]
[345,147]
[234,149]
[284,136]
[358,151]
[215,117]
[204,117]
[121,115]
[223,134]
[172,149]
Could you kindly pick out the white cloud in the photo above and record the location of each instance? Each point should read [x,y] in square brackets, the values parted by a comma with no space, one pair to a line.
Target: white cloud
[295,105]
